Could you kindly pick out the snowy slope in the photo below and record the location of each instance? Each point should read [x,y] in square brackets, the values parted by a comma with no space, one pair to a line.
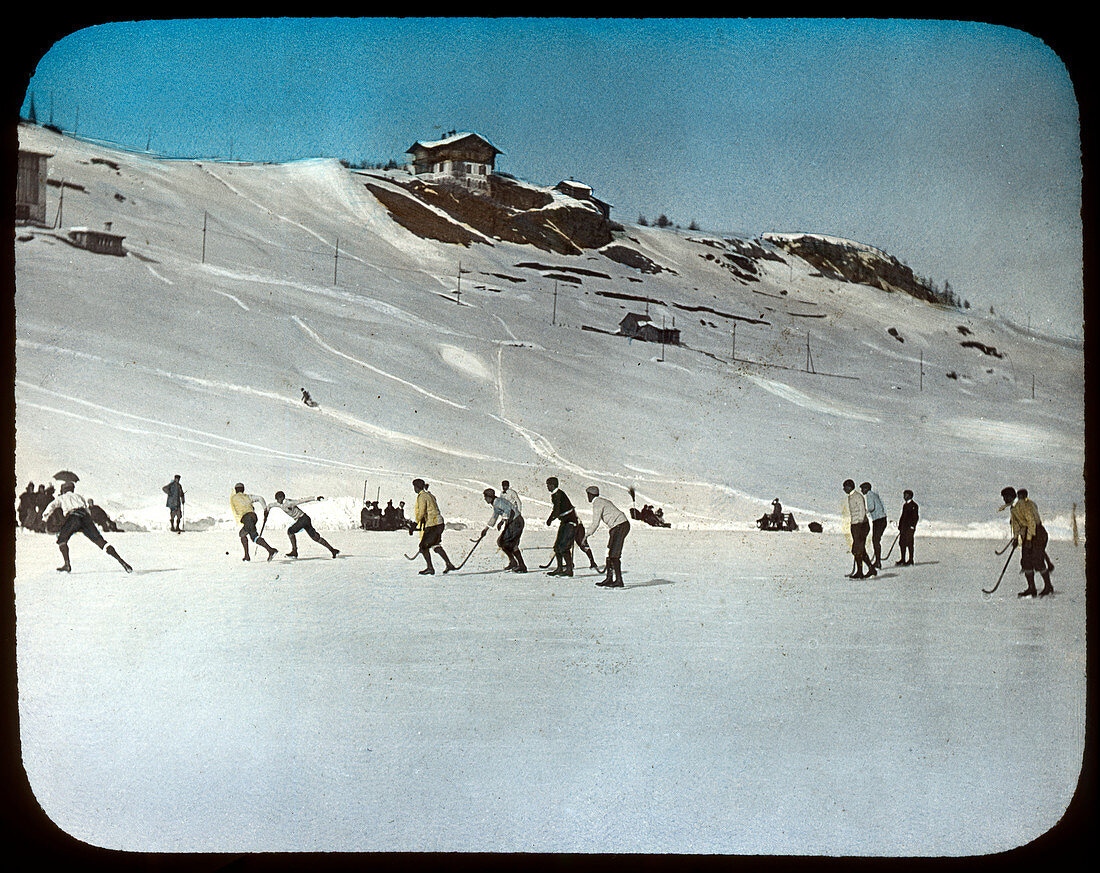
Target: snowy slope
[188,356]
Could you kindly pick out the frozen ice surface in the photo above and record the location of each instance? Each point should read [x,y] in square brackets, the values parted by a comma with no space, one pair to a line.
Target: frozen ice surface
[740,695]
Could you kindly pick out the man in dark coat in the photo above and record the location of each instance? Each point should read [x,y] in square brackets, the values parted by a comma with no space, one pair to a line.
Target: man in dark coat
[101,518]
[907,527]
[562,511]
[26,506]
[175,502]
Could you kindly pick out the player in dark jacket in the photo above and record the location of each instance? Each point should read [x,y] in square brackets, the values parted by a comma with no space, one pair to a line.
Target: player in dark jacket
[907,526]
[563,512]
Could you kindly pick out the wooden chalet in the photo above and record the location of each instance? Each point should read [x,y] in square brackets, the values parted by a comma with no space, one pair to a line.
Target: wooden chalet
[102,242]
[580,191]
[639,327]
[465,157]
[30,187]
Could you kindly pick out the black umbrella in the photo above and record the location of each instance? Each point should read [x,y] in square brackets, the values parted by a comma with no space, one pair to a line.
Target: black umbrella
[66,476]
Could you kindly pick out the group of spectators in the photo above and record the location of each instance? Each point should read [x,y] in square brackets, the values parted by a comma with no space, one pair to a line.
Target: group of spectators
[32,505]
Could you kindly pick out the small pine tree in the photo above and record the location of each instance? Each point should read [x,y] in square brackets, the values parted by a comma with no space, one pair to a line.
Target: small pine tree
[642,222]
[662,220]
[693,225]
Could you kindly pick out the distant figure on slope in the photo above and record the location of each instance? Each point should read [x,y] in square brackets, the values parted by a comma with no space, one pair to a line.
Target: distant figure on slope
[1027,528]
[307,400]
[175,502]
[430,522]
[876,511]
[511,529]
[562,511]
[301,522]
[907,527]
[244,510]
[78,520]
[100,517]
[26,506]
[856,508]
[618,526]
[777,511]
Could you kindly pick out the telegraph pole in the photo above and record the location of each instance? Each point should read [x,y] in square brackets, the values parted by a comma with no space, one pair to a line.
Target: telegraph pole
[554,317]
[922,370]
[336,261]
[204,236]
[733,342]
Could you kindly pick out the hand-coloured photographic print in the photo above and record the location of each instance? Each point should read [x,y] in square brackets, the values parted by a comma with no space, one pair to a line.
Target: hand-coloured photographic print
[550,435]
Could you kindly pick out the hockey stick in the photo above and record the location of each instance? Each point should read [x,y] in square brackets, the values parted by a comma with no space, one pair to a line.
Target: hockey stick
[999,578]
[894,543]
[262,526]
[1001,550]
[464,560]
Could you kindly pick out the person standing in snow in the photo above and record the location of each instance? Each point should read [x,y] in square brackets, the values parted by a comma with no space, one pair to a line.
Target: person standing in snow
[907,527]
[876,511]
[562,511]
[509,494]
[244,510]
[101,518]
[26,506]
[430,522]
[300,522]
[1027,528]
[78,520]
[175,502]
[856,508]
[511,529]
[618,526]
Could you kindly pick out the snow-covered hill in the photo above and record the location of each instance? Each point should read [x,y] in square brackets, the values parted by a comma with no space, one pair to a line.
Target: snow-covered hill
[489,358]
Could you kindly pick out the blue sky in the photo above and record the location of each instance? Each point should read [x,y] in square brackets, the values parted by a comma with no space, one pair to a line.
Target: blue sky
[954,146]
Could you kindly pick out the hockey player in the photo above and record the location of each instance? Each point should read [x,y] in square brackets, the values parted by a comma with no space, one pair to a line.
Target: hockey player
[618,526]
[1028,529]
[876,512]
[562,511]
[300,522]
[77,519]
[244,510]
[511,529]
[856,507]
[907,527]
[430,523]
[174,503]
[509,494]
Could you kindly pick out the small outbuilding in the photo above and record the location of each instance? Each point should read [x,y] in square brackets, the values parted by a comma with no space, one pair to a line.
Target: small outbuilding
[30,187]
[580,191]
[102,242]
[639,327]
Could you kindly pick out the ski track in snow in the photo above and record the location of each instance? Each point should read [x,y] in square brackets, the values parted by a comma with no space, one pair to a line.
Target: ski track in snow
[227,387]
[312,334]
[159,276]
[798,398]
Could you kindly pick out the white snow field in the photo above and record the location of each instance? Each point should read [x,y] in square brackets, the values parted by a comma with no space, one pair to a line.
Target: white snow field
[740,695]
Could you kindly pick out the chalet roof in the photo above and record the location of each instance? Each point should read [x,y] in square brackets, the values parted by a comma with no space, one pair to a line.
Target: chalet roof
[450,140]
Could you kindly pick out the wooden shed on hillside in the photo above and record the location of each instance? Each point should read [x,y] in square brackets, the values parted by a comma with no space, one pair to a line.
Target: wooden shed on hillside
[580,191]
[639,327]
[30,187]
[465,157]
[102,242]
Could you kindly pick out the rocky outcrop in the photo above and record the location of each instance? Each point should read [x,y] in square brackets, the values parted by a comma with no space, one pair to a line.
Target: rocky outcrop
[510,211]
[847,261]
